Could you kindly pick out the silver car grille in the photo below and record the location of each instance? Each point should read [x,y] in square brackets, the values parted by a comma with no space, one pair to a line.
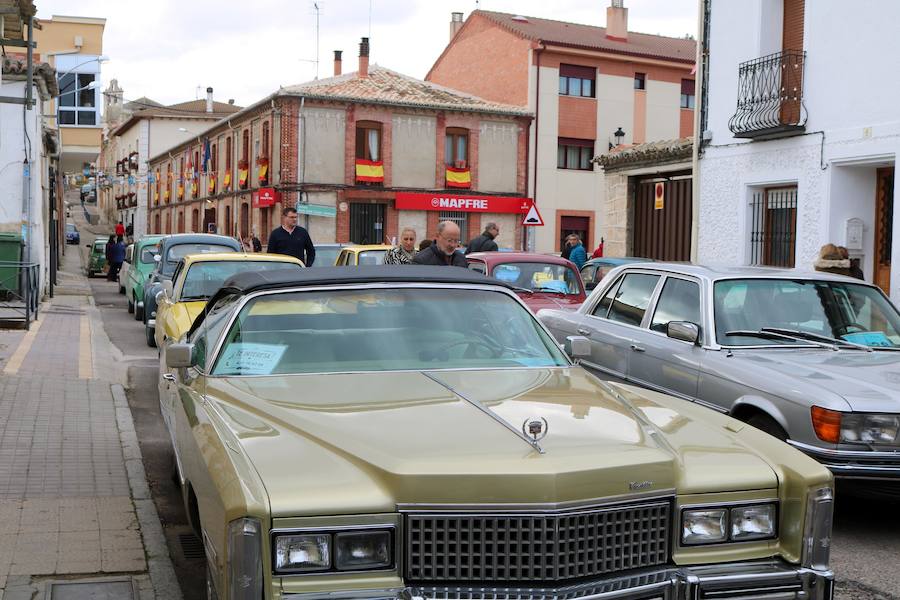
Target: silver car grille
[536,547]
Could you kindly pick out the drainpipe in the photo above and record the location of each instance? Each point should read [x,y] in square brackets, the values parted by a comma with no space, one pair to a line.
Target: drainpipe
[234,196]
[301,159]
[530,241]
[700,112]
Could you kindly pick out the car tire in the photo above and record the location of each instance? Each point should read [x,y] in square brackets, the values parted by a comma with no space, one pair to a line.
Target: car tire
[151,336]
[769,425]
[138,312]
[121,288]
[210,588]
[130,306]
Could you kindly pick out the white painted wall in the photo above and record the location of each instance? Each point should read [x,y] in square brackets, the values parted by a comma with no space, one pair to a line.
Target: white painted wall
[414,150]
[854,189]
[615,108]
[324,146]
[663,110]
[498,149]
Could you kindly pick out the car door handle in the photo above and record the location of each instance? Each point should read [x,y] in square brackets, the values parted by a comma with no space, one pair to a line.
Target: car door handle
[585,332]
[637,348]
[171,376]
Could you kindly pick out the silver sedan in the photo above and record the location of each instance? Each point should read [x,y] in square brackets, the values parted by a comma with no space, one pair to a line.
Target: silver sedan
[811,358]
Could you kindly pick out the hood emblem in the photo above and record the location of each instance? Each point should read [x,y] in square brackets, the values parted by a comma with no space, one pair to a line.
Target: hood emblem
[536,428]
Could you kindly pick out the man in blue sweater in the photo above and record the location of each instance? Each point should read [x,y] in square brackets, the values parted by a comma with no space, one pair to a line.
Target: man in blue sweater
[577,254]
[116,258]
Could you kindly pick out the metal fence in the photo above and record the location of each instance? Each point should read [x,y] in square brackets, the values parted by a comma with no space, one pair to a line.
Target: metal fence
[773,233]
[19,292]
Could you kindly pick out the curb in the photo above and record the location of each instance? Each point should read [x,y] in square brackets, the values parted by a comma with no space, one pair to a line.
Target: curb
[162,574]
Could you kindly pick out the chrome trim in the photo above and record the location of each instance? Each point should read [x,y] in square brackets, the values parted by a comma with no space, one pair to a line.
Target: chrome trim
[547,507]
[837,453]
[151,323]
[140,304]
[484,409]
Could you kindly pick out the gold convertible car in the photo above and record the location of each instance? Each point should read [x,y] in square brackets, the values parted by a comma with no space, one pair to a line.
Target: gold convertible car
[196,278]
[414,432]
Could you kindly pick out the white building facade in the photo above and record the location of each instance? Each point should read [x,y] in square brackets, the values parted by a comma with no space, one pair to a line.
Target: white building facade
[800,133]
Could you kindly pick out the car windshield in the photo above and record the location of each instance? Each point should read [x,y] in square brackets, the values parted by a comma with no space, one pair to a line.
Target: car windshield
[325,257]
[539,277]
[411,328]
[203,279]
[70,228]
[178,252]
[99,246]
[147,254]
[372,257]
[847,311]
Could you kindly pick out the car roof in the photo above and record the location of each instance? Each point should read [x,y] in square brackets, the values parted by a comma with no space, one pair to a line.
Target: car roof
[240,256]
[198,238]
[508,257]
[364,247]
[617,260]
[717,272]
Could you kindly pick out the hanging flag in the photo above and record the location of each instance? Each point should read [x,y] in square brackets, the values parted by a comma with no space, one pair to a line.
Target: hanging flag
[264,171]
[458,178]
[206,155]
[227,181]
[242,176]
[211,184]
[370,171]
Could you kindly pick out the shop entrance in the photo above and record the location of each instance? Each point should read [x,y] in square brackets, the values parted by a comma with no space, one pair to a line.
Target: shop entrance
[367,223]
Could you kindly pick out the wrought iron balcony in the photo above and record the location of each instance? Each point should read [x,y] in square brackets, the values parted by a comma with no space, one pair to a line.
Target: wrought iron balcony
[770,97]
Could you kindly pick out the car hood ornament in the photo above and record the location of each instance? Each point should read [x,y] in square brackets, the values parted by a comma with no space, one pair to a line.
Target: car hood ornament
[535,428]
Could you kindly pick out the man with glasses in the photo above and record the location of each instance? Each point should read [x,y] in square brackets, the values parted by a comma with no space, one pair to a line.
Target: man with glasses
[443,251]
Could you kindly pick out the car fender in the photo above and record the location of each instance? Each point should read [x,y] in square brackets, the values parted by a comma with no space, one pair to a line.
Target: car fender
[763,404]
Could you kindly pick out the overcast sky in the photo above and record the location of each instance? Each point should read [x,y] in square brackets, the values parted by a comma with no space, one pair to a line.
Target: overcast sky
[167,49]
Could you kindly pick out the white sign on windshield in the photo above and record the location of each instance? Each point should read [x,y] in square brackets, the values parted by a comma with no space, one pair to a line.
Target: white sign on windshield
[251,359]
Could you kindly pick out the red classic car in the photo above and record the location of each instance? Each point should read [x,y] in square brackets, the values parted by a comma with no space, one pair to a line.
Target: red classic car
[544,281]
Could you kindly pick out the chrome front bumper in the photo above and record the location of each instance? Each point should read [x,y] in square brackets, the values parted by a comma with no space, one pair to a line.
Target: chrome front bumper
[855,464]
[770,579]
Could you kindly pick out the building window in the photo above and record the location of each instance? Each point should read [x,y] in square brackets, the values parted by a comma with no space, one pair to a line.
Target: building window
[456,148]
[264,151]
[575,154]
[687,93]
[77,102]
[245,147]
[773,234]
[575,80]
[462,221]
[640,81]
[228,153]
[368,140]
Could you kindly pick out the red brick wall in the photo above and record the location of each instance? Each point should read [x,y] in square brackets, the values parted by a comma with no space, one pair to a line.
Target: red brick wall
[792,28]
[487,61]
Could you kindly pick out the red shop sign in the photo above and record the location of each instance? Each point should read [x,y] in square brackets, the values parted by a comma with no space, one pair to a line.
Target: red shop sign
[265,197]
[462,202]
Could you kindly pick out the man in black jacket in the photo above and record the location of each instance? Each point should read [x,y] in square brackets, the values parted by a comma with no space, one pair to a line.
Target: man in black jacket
[443,251]
[291,239]
[485,242]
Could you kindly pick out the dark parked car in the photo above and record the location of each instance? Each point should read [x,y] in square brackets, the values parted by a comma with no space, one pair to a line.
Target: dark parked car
[72,235]
[171,250]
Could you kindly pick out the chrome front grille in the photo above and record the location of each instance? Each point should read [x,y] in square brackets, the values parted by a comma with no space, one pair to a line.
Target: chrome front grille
[544,547]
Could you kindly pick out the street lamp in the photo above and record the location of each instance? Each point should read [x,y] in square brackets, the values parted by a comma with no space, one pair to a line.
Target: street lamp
[619,135]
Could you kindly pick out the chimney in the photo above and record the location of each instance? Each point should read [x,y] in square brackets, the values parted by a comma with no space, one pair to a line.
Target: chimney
[456,23]
[363,58]
[337,62]
[617,21]
[231,101]
[209,102]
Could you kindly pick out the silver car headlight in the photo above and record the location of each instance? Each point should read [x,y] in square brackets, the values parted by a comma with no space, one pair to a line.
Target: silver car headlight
[719,525]
[341,550]
[870,428]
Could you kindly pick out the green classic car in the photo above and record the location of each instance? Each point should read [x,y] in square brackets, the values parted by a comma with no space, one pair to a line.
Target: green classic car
[142,263]
[96,260]
[414,432]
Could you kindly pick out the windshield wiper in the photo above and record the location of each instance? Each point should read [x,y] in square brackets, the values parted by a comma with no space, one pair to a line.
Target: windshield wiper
[774,335]
[551,290]
[806,335]
[521,289]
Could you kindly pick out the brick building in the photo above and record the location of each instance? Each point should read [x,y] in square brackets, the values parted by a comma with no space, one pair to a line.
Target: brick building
[585,85]
[361,155]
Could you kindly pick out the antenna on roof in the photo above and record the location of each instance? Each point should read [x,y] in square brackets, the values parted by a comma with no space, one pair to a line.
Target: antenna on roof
[370,18]
[317,6]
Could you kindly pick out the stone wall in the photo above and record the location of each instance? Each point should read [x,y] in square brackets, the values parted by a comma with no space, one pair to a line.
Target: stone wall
[615,219]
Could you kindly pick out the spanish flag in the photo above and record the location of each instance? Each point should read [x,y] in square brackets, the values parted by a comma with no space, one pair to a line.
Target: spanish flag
[227,181]
[194,188]
[459,178]
[369,170]
[263,173]
[166,194]
[242,177]
[211,185]
[180,190]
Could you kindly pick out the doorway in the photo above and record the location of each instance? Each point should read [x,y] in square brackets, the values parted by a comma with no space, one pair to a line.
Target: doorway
[581,226]
[884,220]
[366,223]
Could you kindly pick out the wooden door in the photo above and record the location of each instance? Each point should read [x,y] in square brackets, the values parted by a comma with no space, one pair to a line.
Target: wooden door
[884,220]
[662,226]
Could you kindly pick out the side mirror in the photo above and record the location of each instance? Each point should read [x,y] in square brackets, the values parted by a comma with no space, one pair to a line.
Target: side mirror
[168,288]
[684,331]
[579,346]
[180,356]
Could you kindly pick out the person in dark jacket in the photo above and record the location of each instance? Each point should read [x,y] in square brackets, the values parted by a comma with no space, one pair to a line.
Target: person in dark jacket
[832,261]
[116,258]
[442,252]
[291,239]
[855,271]
[577,254]
[485,242]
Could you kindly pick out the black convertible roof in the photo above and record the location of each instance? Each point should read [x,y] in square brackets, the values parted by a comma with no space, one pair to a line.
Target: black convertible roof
[244,283]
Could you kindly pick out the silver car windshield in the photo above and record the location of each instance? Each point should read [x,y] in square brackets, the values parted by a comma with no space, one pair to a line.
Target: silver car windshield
[328,331]
[845,311]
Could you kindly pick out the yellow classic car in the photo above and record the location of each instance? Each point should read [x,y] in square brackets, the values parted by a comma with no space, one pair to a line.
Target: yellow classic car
[196,278]
[353,256]
[414,432]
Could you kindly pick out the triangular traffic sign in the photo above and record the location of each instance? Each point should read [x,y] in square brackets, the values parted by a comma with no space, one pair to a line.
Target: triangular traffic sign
[533,218]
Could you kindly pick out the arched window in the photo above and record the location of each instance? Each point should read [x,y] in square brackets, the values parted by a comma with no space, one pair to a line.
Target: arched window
[156,228]
[245,220]
[228,221]
[168,223]
[195,221]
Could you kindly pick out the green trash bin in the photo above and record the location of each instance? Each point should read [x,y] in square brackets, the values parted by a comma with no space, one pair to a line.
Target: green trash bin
[10,253]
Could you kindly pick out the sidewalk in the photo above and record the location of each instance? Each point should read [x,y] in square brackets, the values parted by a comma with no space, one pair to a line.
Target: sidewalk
[74,503]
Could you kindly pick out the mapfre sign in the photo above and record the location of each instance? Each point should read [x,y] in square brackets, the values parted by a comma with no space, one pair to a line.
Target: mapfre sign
[462,202]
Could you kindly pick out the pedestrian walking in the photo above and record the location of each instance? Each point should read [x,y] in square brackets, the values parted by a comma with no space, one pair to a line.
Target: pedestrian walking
[577,254]
[485,242]
[442,251]
[832,261]
[108,251]
[855,271]
[120,229]
[291,239]
[116,258]
[403,253]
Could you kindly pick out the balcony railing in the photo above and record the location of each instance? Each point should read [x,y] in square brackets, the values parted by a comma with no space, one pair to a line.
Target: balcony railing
[770,96]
